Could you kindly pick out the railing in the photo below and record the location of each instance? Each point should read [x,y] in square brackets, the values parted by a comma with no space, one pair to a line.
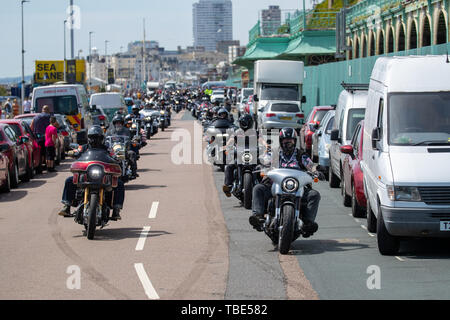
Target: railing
[254,32]
[315,20]
[367,8]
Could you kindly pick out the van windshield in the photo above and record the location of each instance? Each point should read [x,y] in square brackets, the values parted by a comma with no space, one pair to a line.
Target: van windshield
[66,105]
[419,118]
[354,117]
[283,92]
[108,100]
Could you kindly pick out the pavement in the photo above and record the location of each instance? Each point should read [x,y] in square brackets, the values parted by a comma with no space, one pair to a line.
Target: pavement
[180,238]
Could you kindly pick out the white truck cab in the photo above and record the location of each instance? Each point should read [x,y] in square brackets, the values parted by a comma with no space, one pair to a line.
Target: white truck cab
[407,149]
[278,81]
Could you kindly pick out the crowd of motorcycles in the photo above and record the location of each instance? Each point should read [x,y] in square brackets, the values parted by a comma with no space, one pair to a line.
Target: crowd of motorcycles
[99,174]
[250,160]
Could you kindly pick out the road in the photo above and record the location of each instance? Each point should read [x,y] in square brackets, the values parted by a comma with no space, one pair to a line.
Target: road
[181,238]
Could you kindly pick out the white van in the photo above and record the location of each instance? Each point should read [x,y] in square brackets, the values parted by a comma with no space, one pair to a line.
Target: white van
[68,100]
[350,110]
[407,150]
[110,103]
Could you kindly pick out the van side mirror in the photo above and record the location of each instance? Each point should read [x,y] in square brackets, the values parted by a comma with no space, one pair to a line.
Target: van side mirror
[255,98]
[334,135]
[303,99]
[376,135]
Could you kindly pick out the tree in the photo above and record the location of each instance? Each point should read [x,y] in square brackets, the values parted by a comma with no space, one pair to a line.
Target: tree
[3,91]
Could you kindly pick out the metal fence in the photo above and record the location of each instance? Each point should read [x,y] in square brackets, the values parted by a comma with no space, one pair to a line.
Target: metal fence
[322,83]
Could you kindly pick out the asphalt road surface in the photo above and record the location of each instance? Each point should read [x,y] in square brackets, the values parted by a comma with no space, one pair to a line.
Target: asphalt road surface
[181,238]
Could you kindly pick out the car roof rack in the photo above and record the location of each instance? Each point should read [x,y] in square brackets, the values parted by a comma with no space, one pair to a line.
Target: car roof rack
[355,86]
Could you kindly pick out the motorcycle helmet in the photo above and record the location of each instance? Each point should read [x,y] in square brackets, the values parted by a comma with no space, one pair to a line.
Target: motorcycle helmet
[223,113]
[288,140]
[96,138]
[246,122]
[118,118]
[215,111]
[135,110]
[128,119]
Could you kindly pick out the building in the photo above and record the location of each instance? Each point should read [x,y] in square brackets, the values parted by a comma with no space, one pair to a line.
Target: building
[270,20]
[235,52]
[124,65]
[213,22]
[99,66]
[222,46]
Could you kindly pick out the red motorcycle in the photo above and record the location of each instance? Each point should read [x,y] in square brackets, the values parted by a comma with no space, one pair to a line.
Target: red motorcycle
[96,174]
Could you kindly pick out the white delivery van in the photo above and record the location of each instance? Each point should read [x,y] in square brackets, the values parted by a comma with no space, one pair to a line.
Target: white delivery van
[278,81]
[350,110]
[152,87]
[407,149]
[68,100]
[110,103]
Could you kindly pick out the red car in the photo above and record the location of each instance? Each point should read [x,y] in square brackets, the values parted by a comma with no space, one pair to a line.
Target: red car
[22,129]
[352,186]
[13,147]
[311,124]
[5,181]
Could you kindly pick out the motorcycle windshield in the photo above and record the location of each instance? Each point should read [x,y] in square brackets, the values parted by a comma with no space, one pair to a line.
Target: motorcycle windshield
[96,155]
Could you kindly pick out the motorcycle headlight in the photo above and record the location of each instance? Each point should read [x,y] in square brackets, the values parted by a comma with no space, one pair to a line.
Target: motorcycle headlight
[134,126]
[95,173]
[247,157]
[148,119]
[290,185]
[410,194]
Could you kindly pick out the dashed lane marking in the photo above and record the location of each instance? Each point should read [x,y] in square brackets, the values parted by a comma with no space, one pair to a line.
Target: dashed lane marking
[143,237]
[153,210]
[146,283]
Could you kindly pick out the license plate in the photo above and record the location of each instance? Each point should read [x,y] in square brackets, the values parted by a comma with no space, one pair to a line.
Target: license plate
[286,118]
[445,225]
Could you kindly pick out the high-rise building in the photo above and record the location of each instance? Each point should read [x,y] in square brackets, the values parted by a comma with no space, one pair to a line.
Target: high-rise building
[213,22]
[270,20]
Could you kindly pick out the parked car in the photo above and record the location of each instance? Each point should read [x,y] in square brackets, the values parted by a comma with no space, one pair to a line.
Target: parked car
[5,178]
[99,117]
[352,186]
[13,147]
[21,129]
[310,126]
[350,111]
[406,150]
[321,142]
[279,115]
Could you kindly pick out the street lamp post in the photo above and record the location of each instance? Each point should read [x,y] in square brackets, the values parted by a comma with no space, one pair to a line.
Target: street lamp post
[90,60]
[22,90]
[65,57]
[106,59]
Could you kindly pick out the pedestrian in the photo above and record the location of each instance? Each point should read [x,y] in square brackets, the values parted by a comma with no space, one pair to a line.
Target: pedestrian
[8,108]
[15,108]
[51,134]
[39,125]
[27,106]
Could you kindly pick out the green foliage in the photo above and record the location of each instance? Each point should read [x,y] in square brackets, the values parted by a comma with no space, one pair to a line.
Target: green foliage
[283,29]
[3,91]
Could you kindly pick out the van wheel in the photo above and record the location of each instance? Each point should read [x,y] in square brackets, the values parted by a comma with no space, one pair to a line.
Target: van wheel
[371,219]
[333,179]
[387,245]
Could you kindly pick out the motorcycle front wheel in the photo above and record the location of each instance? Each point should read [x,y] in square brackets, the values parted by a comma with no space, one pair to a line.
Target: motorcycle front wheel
[287,230]
[92,216]
[248,190]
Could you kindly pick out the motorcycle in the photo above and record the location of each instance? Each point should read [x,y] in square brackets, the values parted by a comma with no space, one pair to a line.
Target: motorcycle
[217,134]
[283,223]
[163,120]
[95,174]
[246,159]
[120,150]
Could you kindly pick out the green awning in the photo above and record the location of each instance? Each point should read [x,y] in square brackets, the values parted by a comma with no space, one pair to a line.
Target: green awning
[311,43]
[263,49]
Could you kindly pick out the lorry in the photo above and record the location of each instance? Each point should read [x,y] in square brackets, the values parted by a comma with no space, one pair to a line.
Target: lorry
[278,82]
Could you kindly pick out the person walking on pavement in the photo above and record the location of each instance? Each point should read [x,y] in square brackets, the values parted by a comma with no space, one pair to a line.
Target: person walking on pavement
[51,135]
[27,106]
[15,108]
[8,108]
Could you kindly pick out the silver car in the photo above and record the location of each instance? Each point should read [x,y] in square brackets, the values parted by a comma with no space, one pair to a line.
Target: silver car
[321,142]
[278,115]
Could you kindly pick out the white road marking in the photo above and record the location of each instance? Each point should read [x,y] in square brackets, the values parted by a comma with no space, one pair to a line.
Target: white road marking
[141,241]
[400,259]
[154,210]
[371,234]
[364,227]
[148,287]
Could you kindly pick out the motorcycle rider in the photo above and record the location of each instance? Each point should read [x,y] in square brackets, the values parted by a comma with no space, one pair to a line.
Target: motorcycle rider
[118,129]
[289,157]
[96,140]
[245,124]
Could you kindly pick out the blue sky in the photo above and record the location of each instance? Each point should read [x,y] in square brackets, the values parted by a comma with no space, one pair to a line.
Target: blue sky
[118,21]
